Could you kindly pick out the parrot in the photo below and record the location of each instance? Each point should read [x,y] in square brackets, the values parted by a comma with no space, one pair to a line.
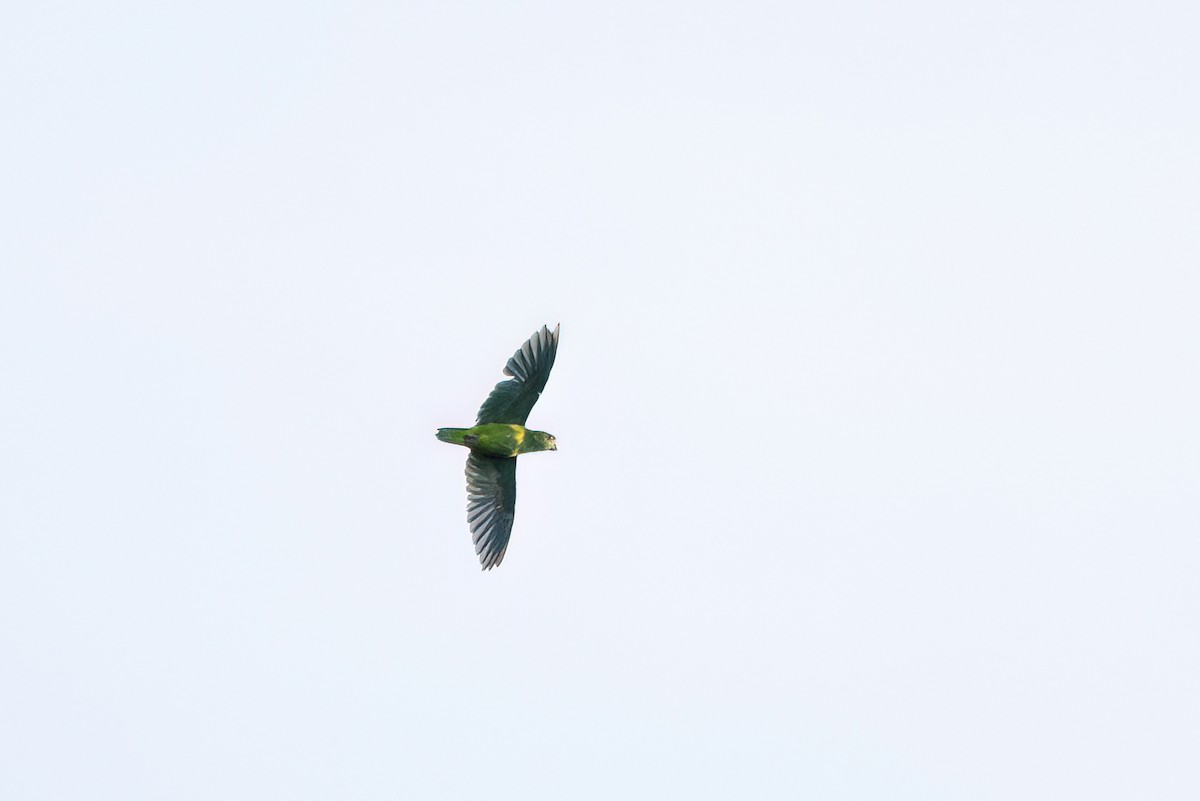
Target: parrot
[497,439]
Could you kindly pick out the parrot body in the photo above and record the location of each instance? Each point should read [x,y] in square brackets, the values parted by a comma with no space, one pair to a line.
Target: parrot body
[497,439]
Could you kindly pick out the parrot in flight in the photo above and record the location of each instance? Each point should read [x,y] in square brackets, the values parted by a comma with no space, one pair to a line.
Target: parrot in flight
[497,439]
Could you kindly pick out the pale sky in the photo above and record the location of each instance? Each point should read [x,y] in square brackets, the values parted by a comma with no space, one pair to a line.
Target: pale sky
[876,400]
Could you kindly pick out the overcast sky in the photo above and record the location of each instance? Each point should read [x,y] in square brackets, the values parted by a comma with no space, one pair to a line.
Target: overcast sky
[876,399]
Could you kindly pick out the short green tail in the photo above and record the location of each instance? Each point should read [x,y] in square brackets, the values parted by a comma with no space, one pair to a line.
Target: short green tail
[452,435]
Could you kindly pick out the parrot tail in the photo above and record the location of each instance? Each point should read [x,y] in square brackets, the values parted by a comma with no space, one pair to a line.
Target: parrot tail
[452,435]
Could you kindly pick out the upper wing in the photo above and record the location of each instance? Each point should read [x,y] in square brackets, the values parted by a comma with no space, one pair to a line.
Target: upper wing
[491,503]
[512,400]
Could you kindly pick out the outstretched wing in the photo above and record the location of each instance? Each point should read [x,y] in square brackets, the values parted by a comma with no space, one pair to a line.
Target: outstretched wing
[491,503]
[512,400]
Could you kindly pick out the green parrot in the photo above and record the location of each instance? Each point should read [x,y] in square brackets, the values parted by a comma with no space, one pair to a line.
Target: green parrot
[499,436]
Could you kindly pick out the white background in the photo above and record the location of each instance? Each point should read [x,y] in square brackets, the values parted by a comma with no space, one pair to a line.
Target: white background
[876,398]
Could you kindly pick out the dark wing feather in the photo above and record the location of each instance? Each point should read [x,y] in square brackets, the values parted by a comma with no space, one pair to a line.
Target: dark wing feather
[491,503]
[512,400]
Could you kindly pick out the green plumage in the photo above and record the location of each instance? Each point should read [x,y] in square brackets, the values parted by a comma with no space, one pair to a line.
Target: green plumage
[498,437]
